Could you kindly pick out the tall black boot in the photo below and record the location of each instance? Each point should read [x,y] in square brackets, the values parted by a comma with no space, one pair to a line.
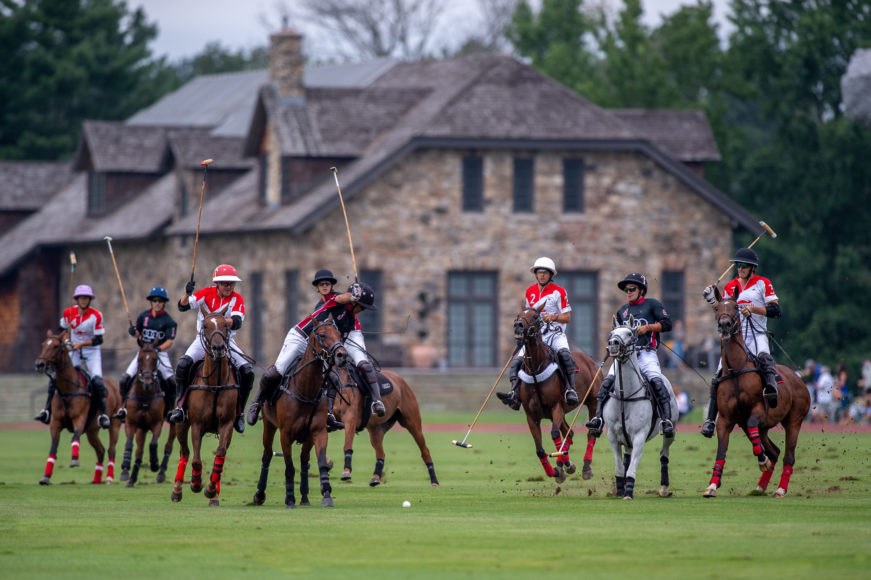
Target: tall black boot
[45,414]
[124,384]
[368,374]
[512,397]
[570,368]
[100,390]
[769,389]
[597,423]
[333,424]
[182,373]
[269,381]
[246,382]
[664,403]
[710,423]
[170,389]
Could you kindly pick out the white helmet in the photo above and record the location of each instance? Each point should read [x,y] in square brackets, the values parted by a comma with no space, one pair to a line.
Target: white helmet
[545,263]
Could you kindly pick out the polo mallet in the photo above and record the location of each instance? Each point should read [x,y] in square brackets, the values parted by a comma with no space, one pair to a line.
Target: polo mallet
[562,446]
[347,226]
[72,270]
[118,275]
[205,163]
[768,231]
[490,394]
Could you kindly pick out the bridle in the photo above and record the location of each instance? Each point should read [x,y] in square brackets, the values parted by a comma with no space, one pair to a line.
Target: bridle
[728,324]
[48,365]
[619,347]
[528,332]
[215,351]
[325,354]
[146,375]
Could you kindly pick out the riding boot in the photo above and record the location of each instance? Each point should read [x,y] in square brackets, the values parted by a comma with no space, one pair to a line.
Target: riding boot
[182,372]
[124,384]
[169,391]
[710,422]
[333,424]
[664,403]
[269,381]
[568,363]
[769,388]
[597,423]
[100,391]
[45,414]
[512,398]
[246,382]
[368,374]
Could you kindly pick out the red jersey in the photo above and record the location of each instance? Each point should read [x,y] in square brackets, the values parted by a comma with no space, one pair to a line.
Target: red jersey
[209,298]
[82,327]
[556,301]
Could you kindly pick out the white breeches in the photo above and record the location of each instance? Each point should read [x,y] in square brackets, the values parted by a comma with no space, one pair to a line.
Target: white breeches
[197,353]
[648,364]
[755,343]
[555,340]
[293,348]
[91,357]
[164,366]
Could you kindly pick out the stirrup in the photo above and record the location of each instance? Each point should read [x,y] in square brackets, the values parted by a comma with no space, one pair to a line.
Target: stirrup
[44,416]
[239,424]
[572,397]
[121,415]
[667,428]
[510,399]
[176,416]
[378,408]
[708,429]
[333,424]
[104,421]
[770,395]
[595,425]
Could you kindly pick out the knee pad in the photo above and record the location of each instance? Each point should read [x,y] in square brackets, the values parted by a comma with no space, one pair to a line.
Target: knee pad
[246,373]
[99,387]
[183,369]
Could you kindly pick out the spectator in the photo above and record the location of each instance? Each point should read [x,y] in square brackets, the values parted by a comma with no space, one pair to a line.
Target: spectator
[684,406]
[860,410]
[677,345]
[865,381]
[827,406]
[842,391]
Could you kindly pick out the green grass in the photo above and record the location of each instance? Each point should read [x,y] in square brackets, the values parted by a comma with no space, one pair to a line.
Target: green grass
[493,516]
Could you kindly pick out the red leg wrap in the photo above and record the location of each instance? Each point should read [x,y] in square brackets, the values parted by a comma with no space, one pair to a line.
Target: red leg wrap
[182,466]
[784,477]
[196,476]
[765,478]
[98,473]
[75,449]
[548,468]
[753,433]
[218,468]
[588,454]
[718,471]
[49,465]
[110,470]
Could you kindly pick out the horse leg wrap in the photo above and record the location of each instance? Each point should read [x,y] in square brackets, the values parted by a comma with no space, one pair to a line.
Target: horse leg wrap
[134,473]
[49,465]
[765,478]
[753,434]
[717,474]
[663,471]
[74,446]
[564,446]
[217,468]
[621,485]
[348,454]
[165,462]
[630,487]
[128,454]
[784,477]
[110,470]
[182,467]
[431,469]
[196,476]
[98,473]
[379,467]
[588,454]
[264,477]
[548,468]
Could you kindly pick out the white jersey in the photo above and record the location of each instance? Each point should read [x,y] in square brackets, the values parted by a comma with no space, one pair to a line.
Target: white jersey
[757,292]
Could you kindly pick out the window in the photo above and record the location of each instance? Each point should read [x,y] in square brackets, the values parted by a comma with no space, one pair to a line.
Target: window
[473,184]
[255,309]
[673,296]
[286,191]
[369,320]
[96,192]
[524,185]
[582,291]
[184,200]
[261,183]
[472,317]
[573,185]
[291,298]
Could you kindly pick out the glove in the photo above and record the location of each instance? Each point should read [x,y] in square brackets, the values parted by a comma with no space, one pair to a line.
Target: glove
[132,330]
[189,287]
[356,292]
[709,294]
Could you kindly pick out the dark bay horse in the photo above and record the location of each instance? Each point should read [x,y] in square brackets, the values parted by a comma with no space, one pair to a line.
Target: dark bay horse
[740,402]
[298,411]
[211,400]
[145,409]
[352,407]
[72,408]
[542,398]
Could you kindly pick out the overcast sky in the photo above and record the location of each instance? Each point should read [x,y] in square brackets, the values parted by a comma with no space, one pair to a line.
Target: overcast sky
[186,26]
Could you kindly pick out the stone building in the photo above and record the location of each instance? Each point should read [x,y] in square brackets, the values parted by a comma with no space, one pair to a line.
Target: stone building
[456,175]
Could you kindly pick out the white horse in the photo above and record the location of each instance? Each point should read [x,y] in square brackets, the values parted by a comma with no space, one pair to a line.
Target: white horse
[629,415]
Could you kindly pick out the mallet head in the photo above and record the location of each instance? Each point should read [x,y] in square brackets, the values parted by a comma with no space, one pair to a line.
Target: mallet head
[768,229]
[72,258]
[334,170]
[461,444]
[207,162]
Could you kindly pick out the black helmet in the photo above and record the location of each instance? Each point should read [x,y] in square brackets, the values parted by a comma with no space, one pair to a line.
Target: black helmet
[746,256]
[367,297]
[634,278]
[323,275]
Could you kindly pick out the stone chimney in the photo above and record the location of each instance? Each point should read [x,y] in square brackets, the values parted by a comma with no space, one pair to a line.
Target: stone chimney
[286,62]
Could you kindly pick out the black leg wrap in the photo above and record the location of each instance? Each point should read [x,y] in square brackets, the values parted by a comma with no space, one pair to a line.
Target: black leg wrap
[379,467]
[664,402]
[348,455]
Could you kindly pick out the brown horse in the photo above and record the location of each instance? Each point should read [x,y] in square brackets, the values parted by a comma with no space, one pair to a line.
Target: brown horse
[72,408]
[740,402]
[145,408]
[211,400]
[301,416]
[543,397]
[353,408]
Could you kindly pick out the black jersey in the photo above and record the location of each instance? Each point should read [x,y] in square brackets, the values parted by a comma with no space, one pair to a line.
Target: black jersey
[646,311]
[156,329]
[342,314]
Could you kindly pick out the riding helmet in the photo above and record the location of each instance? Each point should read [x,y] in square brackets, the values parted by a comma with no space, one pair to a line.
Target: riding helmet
[746,256]
[634,278]
[545,264]
[158,292]
[324,275]
[225,273]
[83,290]
[367,297]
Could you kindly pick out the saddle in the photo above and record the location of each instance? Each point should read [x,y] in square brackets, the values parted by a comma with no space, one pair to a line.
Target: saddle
[384,385]
[194,371]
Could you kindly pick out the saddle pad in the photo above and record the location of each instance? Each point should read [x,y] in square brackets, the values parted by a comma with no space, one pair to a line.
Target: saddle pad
[542,376]
[385,384]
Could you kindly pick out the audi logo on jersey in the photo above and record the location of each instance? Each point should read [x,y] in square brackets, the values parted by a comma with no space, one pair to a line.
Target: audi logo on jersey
[151,335]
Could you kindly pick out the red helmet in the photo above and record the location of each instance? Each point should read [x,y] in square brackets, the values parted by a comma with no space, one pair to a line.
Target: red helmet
[225,273]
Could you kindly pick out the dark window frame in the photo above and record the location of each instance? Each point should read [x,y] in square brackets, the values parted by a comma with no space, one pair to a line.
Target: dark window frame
[575,301]
[371,321]
[291,298]
[255,312]
[96,192]
[524,185]
[573,185]
[473,183]
[471,332]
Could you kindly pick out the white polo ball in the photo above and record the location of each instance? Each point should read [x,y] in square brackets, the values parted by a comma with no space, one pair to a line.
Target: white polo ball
[406,504]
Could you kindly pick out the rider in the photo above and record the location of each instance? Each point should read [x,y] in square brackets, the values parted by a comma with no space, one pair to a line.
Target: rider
[214,298]
[652,319]
[153,326]
[86,335]
[556,313]
[756,302]
[324,282]
[344,309]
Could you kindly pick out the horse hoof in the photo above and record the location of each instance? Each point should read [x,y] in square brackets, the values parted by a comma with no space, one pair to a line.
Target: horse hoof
[374,481]
[664,491]
[175,497]
[305,501]
[290,506]
[765,465]
[196,488]
[559,475]
[625,497]
[757,491]
[210,493]
[327,502]
[110,481]
[346,475]
[259,498]
[45,480]
[710,492]
[125,475]
[586,470]
[154,467]
[779,493]
[214,503]
[161,477]
[434,483]
[330,464]
[74,463]
[130,484]
[570,467]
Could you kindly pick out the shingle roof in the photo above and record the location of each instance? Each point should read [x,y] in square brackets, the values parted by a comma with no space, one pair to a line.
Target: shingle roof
[114,146]
[684,134]
[191,147]
[28,185]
